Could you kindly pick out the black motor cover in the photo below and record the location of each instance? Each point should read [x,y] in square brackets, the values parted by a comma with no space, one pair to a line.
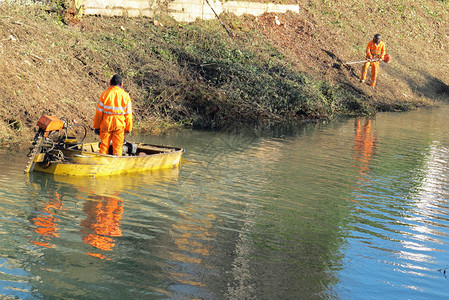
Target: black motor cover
[129,148]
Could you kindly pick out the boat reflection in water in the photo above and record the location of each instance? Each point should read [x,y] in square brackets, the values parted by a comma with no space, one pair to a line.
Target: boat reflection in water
[100,215]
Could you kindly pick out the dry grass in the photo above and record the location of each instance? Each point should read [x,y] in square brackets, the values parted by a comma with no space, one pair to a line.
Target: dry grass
[415,35]
[40,74]
[175,73]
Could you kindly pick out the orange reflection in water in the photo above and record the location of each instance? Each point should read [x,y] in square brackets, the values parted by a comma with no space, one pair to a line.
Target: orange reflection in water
[47,223]
[103,217]
[103,208]
[364,145]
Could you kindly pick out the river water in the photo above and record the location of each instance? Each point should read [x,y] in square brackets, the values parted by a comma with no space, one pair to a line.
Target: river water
[349,209]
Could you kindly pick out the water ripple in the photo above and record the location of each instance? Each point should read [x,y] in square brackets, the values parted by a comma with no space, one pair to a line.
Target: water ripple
[338,210]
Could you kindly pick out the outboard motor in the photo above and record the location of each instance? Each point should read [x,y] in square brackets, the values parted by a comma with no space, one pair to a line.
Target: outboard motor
[47,144]
[129,149]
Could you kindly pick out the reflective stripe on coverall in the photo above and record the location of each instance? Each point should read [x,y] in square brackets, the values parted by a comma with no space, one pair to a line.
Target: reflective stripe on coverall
[373,51]
[113,117]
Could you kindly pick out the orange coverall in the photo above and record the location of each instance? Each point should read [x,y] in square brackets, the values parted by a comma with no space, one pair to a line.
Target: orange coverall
[113,117]
[373,51]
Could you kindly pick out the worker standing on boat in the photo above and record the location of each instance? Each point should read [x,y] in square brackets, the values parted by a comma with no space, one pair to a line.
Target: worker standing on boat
[375,51]
[113,117]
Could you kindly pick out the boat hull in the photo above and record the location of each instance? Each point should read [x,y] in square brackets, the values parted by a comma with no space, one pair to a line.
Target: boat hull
[88,162]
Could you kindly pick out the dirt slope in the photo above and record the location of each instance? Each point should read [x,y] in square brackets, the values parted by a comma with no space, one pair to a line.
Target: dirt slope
[59,69]
[323,37]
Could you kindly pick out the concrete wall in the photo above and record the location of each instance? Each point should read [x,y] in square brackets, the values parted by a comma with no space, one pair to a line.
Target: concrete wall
[180,10]
[127,8]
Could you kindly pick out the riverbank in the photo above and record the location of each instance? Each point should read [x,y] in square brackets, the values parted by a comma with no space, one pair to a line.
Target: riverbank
[277,68]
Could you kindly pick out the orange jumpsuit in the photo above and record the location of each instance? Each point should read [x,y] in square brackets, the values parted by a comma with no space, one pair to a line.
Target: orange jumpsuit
[113,117]
[373,51]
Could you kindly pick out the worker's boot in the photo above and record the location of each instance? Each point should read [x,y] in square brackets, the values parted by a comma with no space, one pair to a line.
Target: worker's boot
[362,80]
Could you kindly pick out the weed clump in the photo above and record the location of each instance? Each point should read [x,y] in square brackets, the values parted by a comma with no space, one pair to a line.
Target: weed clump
[197,77]
[193,75]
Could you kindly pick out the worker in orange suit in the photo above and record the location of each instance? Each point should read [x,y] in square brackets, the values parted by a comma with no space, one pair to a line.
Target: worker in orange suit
[375,51]
[113,117]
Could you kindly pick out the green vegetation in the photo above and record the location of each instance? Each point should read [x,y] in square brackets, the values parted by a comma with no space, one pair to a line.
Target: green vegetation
[194,76]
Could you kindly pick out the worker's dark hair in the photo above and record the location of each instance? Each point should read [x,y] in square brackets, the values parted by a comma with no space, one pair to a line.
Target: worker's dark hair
[116,80]
[377,36]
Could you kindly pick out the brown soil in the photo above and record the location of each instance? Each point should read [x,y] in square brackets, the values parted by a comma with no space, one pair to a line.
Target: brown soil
[39,76]
[56,69]
[317,49]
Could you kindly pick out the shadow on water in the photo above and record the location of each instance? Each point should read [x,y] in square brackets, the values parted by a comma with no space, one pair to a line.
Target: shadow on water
[281,129]
[100,199]
[232,226]
[74,218]
[266,212]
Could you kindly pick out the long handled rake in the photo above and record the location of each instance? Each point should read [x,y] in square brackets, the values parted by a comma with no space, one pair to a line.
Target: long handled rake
[362,61]
[231,35]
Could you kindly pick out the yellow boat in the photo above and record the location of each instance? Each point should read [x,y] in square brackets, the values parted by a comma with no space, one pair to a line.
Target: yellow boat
[56,152]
